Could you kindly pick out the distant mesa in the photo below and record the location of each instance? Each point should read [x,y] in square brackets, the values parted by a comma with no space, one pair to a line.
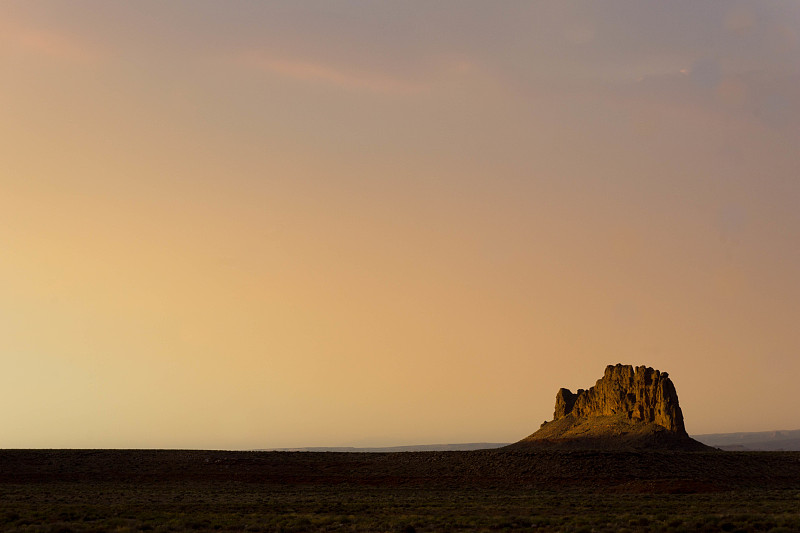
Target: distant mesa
[628,408]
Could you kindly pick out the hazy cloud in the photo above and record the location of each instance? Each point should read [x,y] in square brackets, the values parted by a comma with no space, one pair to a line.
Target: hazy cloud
[315,72]
[351,77]
[54,44]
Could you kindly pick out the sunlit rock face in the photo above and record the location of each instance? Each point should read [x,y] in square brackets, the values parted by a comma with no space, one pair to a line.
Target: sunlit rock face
[628,408]
[641,393]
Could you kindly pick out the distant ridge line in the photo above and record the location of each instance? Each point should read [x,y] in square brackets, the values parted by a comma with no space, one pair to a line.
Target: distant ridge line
[787,440]
[776,440]
[414,448]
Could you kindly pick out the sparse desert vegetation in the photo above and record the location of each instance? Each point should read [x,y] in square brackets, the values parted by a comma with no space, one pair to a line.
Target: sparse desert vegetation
[63,491]
[232,506]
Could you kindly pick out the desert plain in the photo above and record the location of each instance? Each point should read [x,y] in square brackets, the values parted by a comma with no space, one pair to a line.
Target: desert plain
[485,490]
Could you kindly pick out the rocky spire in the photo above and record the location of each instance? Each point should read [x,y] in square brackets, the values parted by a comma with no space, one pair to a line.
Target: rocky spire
[628,408]
[641,394]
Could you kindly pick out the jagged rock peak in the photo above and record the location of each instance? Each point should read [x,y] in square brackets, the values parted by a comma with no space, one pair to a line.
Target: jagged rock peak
[642,394]
[627,409]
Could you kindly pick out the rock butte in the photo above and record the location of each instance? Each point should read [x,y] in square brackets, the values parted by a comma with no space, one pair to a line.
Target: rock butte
[628,408]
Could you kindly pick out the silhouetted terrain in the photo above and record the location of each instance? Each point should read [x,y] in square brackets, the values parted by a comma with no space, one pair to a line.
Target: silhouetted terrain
[660,471]
[173,490]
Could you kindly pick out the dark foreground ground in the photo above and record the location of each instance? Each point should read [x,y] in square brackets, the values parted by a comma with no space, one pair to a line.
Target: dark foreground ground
[108,490]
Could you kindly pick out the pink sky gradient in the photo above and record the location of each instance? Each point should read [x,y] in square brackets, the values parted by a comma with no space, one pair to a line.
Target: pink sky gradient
[246,225]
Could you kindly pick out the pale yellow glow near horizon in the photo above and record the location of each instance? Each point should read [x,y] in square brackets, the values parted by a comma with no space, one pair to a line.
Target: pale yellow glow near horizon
[234,228]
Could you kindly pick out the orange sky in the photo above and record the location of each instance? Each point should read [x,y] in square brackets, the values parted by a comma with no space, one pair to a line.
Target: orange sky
[316,224]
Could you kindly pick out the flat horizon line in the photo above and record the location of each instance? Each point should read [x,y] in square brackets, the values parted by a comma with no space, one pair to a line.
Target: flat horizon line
[463,446]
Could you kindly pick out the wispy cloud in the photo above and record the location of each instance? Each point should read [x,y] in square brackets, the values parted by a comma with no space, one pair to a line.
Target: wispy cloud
[346,78]
[53,44]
